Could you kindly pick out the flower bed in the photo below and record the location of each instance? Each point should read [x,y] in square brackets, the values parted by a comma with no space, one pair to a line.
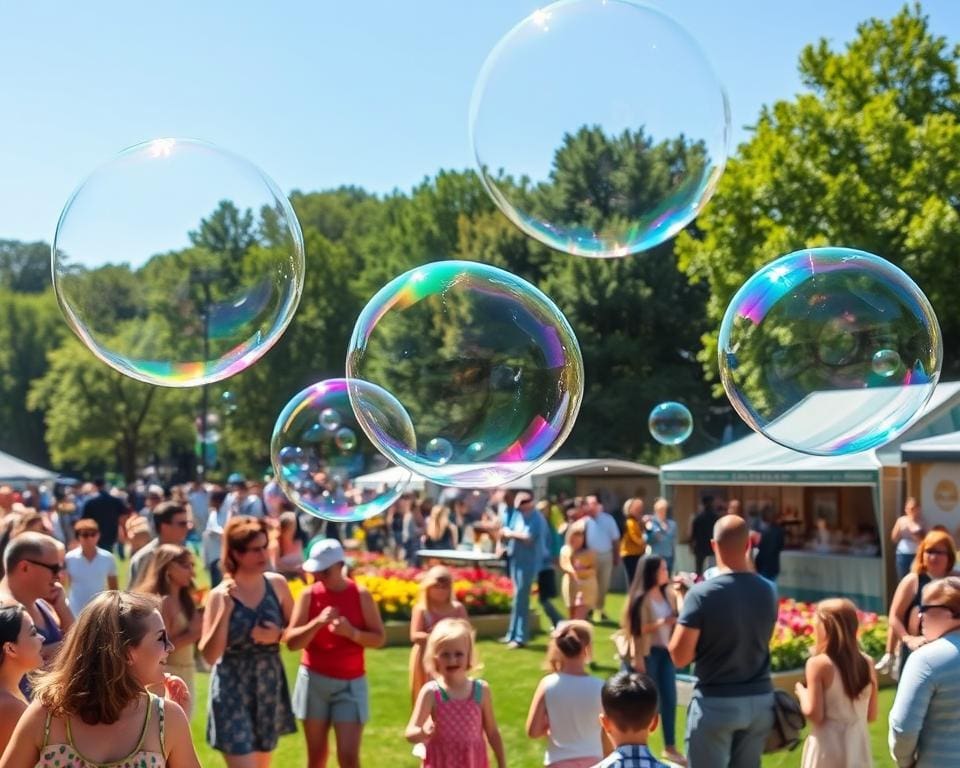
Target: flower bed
[395,587]
[793,636]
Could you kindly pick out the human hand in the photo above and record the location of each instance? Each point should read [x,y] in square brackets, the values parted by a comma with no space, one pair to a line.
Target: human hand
[913,642]
[800,690]
[342,627]
[58,598]
[267,633]
[327,616]
[428,729]
[176,690]
[667,621]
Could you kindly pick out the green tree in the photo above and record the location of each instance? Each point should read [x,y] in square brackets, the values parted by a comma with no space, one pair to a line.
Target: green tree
[24,267]
[868,157]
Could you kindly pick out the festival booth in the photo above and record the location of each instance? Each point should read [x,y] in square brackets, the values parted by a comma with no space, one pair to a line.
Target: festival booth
[933,478]
[18,473]
[836,511]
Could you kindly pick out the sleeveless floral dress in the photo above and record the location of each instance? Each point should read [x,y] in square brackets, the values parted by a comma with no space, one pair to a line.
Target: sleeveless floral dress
[458,740]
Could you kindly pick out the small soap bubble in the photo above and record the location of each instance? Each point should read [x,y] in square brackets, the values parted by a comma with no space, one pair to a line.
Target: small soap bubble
[813,351]
[330,419]
[346,439]
[438,450]
[670,423]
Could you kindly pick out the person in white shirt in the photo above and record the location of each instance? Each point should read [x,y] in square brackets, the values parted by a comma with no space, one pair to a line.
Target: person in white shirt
[603,537]
[90,569]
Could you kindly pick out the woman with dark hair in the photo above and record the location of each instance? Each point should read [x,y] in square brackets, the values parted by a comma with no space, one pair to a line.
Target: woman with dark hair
[20,645]
[92,707]
[170,577]
[249,706]
[648,619]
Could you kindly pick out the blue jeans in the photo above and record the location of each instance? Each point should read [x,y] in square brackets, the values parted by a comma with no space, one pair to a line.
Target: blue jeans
[522,578]
[904,561]
[660,668]
[728,731]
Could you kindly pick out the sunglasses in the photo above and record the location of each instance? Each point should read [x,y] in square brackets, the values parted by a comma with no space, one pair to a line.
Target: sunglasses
[937,552]
[258,550]
[441,582]
[54,568]
[930,606]
[87,534]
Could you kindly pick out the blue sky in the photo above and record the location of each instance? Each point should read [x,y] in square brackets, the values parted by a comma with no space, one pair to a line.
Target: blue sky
[318,94]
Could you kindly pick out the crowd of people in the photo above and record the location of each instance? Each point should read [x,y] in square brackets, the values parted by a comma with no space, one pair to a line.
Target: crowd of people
[91,676]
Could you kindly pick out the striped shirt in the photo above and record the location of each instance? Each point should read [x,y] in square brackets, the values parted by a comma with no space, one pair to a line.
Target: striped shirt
[630,756]
[923,720]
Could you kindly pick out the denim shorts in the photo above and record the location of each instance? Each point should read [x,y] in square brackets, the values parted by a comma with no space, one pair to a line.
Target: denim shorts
[318,697]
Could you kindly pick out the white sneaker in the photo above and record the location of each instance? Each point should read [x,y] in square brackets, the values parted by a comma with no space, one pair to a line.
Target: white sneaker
[886,664]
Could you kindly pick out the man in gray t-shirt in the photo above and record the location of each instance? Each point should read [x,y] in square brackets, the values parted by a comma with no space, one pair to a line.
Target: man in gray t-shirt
[725,627]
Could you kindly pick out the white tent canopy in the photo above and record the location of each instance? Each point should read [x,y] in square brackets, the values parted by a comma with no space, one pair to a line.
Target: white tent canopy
[940,448]
[19,472]
[552,468]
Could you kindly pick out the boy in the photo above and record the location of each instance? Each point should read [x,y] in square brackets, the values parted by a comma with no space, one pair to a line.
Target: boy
[629,702]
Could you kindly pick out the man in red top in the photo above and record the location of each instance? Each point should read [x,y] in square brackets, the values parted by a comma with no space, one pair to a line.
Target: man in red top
[333,622]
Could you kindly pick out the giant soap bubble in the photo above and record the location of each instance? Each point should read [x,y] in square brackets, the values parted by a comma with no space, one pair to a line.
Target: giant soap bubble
[599,127]
[316,466]
[178,263]
[485,364]
[830,351]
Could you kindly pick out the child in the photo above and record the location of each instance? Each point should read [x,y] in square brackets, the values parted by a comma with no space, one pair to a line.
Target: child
[453,713]
[840,696]
[629,716]
[566,705]
[437,602]
[579,566]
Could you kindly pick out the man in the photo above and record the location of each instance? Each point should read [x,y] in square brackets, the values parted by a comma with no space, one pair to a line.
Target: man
[107,512]
[213,535]
[199,499]
[725,626]
[603,537]
[701,531]
[772,542]
[32,565]
[90,569]
[172,525]
[153,499]
[524,544]
[547,576]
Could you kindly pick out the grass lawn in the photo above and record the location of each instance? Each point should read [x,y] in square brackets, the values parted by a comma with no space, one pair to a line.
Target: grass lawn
[512,676]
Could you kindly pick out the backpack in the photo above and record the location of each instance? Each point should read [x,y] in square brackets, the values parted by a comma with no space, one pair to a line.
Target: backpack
[788,722]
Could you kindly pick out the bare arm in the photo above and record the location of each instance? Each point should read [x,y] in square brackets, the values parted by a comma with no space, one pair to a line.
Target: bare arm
[683,645]
[374,636]
[178,742]
[11,710]
[873,706]
[566,562]
[216,624]
[811,695]
[490,727]
[418,633]
[420,727]
[23,749]
[537,724]
[899,606]
[302,629]
[895,532]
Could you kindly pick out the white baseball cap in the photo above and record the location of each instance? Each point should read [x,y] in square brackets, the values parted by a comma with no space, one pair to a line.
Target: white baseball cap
[323,554]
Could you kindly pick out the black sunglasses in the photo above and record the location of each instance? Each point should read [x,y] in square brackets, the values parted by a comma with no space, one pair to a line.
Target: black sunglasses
[53,568]
[930,606]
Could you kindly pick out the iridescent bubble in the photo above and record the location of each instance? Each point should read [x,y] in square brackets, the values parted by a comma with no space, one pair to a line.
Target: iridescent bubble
[329,419]
[798,351]
[488,361]
[229,401]
[438,450]
[886,362]
[599,127]
[346,439]
[670,423]
[178,263]
[325,467]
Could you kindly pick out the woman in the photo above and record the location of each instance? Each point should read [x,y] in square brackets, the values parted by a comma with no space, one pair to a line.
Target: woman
[633,545]
[935,558]
[440,532]
[249,706]
[170,577]
[334,622]
[923,719]
[908,531]
[92,708]
[579,566]
[566,705]
[20,645]
[413,530]
[649,616]
[287,550]
[840,694]
[436,602]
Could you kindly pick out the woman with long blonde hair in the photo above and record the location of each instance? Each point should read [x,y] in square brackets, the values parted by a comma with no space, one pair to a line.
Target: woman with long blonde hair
[840,694]
[437,602]
[92,707]
[170,577]
[440,533]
